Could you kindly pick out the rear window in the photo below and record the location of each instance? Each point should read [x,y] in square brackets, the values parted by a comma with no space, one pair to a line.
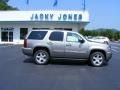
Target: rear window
[38,35]
[56,36]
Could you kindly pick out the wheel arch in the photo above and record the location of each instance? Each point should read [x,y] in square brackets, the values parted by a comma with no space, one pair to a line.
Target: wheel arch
[98,50]
[41,48]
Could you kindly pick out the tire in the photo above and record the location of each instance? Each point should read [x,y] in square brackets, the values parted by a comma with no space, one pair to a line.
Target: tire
[41,57]
[97,59]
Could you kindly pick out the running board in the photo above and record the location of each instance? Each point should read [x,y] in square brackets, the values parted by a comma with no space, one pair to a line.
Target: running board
[69,59]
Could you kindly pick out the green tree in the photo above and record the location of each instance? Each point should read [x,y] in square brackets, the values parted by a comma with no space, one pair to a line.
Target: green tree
[112,34]
[109,33]
[4,5]
[116,35]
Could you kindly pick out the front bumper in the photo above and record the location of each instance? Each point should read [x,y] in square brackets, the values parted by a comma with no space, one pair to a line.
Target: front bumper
[108,56]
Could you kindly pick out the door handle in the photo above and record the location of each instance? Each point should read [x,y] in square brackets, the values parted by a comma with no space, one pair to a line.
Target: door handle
[50,43]
[68,44]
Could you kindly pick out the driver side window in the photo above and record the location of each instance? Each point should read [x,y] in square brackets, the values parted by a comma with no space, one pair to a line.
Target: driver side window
[73,37]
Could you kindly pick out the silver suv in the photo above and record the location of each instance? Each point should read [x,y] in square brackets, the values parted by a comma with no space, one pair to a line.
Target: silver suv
[45,45]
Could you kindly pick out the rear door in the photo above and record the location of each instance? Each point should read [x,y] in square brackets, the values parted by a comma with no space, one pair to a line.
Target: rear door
[56,42]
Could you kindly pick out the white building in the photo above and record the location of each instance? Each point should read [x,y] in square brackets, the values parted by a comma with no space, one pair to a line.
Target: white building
[15,24]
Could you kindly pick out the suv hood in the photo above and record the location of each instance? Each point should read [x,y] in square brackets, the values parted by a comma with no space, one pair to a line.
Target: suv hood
[99,45]
[93,41]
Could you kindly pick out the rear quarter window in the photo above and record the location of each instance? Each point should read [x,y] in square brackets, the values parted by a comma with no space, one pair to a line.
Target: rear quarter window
[37,35]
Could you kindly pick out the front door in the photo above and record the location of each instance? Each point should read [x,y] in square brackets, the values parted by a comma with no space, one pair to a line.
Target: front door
[74,48]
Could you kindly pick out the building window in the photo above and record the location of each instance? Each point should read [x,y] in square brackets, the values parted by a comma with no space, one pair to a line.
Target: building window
[7,28]
[7,34]
[56,36]
[68,29]
[23,33]
[40,28]
[59,28]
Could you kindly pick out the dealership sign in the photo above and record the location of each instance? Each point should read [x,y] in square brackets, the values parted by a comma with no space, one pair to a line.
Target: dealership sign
[56,17]
[45,15]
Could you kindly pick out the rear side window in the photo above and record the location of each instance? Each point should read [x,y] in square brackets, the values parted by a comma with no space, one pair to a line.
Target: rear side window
[56,36]
[38,35]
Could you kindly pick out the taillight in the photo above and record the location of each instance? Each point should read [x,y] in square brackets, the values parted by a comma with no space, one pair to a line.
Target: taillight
[25,43]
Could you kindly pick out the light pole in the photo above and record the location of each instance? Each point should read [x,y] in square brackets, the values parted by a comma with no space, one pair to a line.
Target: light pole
[84,5]
[27,2]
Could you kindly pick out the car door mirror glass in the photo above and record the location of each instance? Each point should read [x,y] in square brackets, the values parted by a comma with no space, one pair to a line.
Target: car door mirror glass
[81,41]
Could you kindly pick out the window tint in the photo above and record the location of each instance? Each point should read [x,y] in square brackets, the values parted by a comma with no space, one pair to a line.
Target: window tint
[56,36]
[39,35]
[72,37]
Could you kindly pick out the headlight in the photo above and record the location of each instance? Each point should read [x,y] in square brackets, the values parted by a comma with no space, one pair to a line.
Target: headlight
[109,47]
[106,42]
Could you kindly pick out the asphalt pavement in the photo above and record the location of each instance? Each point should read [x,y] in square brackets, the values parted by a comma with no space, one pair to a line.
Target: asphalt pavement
[19,72]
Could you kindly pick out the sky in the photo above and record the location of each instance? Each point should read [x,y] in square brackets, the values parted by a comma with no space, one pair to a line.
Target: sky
[103,13]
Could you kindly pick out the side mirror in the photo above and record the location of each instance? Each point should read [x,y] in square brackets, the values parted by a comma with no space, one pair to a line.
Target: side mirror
[81,41]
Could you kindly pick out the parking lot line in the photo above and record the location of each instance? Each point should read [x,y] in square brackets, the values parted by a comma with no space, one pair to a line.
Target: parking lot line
[115,44]
[114,50]
[115,47]
[4,46]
